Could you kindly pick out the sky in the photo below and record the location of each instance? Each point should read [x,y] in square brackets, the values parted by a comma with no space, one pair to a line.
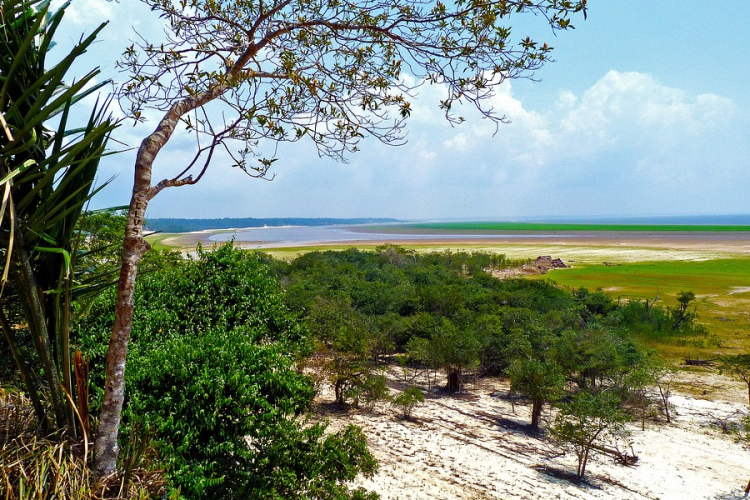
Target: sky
[645,111]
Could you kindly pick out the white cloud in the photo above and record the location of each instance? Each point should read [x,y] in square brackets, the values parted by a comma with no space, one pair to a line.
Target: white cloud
[86,12]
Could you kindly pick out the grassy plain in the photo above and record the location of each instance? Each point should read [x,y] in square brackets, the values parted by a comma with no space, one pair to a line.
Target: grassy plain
[721,286]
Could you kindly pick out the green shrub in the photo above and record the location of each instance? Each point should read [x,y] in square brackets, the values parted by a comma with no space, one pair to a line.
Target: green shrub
[220,290]
[225,411]
[374,389]
[408,400]
[212,373]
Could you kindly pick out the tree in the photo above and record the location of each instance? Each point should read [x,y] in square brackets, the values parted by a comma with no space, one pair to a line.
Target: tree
[737,366]
[534,369]
[47,177]
[587,418]
[348,344]
[215,368]
[408,400]
[449,348]
[285,70]
[680,314]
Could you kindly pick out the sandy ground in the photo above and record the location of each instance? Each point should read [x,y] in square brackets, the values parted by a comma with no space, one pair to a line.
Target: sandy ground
[476,446]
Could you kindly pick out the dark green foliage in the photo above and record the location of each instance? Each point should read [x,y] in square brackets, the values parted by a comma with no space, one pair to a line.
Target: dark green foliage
[220,290]
[595,304]
[212,368]
[447,314]
[207,396]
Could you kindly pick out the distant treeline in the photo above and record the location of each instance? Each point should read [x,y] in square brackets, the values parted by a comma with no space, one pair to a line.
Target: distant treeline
[186,225]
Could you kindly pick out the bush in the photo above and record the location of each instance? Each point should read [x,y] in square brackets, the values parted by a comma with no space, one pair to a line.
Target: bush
[374,389]
[408,400]
[213,374]
[220,290]
[206,397]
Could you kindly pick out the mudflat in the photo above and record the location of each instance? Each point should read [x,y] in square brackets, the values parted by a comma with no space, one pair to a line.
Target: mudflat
[623,246]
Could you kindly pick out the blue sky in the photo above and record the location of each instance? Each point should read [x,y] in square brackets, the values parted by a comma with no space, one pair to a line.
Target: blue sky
[646,111]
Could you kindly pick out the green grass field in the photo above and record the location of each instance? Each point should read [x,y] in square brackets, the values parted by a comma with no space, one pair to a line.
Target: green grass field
[721,286]
[534,226]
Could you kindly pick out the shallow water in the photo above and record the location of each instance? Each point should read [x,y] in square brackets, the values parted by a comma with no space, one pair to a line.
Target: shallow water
[310,235]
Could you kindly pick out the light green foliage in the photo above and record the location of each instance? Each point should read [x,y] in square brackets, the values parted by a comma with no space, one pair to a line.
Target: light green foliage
[407,401]
[587,420]
[718,283]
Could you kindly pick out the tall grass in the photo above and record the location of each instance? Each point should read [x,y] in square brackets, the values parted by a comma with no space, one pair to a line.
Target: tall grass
[34,467]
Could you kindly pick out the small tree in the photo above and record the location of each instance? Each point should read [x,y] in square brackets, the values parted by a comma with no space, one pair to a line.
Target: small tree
[738,367]
[449,348]
[345,339]
[681,314]
[541,380]
[587,419]
[663,376]
[534,369]
[408,400]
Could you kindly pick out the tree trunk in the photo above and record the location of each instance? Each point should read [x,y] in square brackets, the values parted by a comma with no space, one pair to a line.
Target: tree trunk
[536,413]
[582,469]
[134,247]
[665,401]
[454,380]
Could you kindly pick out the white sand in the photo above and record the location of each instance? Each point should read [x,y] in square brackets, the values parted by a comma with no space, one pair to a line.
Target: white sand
[473,446]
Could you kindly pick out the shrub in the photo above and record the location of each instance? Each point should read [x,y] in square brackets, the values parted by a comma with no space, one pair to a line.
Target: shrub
[213,373]
[408,400]
[207,397]
[374,389]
